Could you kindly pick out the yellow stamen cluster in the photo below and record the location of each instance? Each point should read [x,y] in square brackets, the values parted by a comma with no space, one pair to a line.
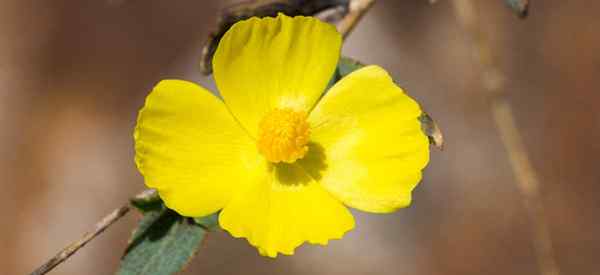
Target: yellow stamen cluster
[283,135]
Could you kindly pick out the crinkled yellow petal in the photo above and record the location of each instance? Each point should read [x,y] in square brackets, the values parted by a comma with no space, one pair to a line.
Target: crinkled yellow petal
[190,148]
[267,63]
[372,142]
[283,210]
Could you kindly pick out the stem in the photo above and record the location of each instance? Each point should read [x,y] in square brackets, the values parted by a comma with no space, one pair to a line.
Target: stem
[66,252]
[528,185]
[527,179]
[358,8]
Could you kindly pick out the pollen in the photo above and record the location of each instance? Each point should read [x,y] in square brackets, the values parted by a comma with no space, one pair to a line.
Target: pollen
[283,135]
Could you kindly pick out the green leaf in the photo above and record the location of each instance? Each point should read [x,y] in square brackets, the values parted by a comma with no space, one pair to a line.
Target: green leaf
[209,222]
[163,243]
[347,65]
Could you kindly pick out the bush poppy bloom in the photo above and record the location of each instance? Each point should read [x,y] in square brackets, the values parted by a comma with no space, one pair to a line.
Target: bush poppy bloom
[280,159]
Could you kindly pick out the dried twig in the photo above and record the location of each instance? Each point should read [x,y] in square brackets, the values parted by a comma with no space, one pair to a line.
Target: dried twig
[357,9]
[143,197]
[66,252]
[526,177]
[529,185]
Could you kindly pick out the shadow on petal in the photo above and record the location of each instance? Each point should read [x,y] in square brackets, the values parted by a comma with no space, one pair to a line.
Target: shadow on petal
[314,163]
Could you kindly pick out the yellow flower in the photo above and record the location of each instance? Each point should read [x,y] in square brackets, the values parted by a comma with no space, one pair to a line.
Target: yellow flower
[280,159]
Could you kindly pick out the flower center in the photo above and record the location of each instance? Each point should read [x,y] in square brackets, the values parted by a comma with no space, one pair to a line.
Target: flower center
[283,135]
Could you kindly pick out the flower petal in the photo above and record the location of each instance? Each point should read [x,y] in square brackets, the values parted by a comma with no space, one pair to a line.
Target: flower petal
[267,63]
[191,149]
[374,148]
[283,210]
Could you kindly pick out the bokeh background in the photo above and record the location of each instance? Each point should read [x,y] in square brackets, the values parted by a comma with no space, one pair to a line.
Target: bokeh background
[73,75]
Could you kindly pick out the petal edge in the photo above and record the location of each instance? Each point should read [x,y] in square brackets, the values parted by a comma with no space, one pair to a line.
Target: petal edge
[186,145]
[372,139]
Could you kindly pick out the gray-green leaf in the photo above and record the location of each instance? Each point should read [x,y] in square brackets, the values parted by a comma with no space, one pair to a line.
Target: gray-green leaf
[163,243]
[210,222]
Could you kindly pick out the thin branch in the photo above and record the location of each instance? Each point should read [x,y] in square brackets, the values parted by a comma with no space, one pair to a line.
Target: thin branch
[66,252]
[144,197]
[358,8]
[529,186]
[527,179]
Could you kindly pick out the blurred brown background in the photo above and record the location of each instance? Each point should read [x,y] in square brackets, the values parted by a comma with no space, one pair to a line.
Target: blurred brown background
[74,74]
